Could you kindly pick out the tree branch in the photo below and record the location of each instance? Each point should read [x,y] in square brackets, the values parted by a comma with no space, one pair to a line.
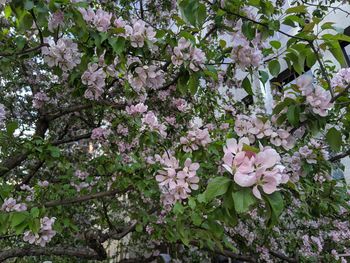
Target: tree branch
[85,198]
[29,50]
[339,156]
[80,252]
[323,70]
[72,139]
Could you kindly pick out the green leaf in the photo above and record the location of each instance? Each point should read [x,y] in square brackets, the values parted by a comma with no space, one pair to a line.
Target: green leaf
[4,222]
[182,82]
[327,25]
[34,225]
[18,218]
[280,106]
[216,187]
[193,12]
[248,30]
[19,229]
[249,148]
[201,14]
[54,151]
[193,83]
[296,9]
[26,21]
[192,203]
[293,114]
[11,127]
[264,77]
[139,228]
[8,11]
[34,212]
[118,44]
[334,139]
[28,4]
[196,219]
[274,67]
[275,206]
[243,199]
[178,208]
[275,44]
[247,86]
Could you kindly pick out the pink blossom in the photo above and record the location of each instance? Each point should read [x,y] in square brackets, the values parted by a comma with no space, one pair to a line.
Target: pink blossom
[100,133]
[177,184]
[135,109]
[45,233]
[40,99]
[119,23]
[94,77]
[260,129]
[242,126]
[11,205]
[55,20]
[150,120]
[341,79]
[146,76]
[184,51]
[122,130]
[244,52]
[254,169]
[180,104]
[64,54]
[43,183]
[139,32]
[81,174]
[320,101]
[195,138]
[101,20]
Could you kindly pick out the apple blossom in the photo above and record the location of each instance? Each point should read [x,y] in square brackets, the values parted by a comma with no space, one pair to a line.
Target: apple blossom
[64,54]
[94,78]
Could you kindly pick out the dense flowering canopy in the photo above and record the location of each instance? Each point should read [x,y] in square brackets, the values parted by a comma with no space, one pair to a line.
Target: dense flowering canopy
[122,120]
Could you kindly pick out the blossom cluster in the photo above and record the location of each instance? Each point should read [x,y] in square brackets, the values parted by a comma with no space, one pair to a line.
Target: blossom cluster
[341,79]
[180,104]
[308,154]
[312,236]
[254,169]
[185,52]
[100,134]
[176,183]
[64,54]
[100,19]
[244,52]
[55,20]
[39,100]
[138,33]
[10,205]
[255,128]
[94,77]
[83,184]
[150,121]
[195,138]
[30,190]
[146,76]
[46,233]
[316,97]
[136,109]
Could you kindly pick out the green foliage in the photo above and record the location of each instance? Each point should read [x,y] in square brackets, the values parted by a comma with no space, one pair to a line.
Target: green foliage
[243,199]
[217,187]
[334,139]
